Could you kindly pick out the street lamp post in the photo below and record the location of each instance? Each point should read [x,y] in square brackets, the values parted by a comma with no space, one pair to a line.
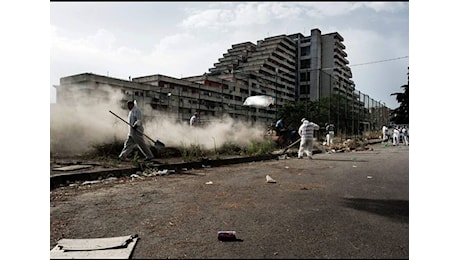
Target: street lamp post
[178,106]
[169,97]
[276,94]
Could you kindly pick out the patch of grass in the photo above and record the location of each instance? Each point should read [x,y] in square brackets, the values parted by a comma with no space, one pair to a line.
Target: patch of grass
[193,152]
[230,149]
[109,149]
[259,148]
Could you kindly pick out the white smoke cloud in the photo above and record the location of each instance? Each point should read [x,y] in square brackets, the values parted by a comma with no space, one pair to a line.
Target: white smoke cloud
[75,128]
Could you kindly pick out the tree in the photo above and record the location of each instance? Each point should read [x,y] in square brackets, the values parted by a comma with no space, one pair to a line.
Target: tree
[401,114]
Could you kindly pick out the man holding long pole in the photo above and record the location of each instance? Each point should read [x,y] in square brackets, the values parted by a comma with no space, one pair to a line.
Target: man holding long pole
[135,134]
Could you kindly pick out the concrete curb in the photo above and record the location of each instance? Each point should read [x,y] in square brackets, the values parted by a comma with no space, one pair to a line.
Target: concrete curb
[63,179]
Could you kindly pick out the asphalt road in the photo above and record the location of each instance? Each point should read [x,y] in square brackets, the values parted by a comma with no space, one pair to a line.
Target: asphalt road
[341,205]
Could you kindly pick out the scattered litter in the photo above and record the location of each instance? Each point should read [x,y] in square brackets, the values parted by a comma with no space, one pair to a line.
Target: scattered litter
[369,177]
[354,166]
[269,179]
[111,179]
[184,169]
[90,182]
[226,235]
[95,248]
[163,172]
[73,184]
[286,167]
[148,173]
[206,166]
[209,182]
[136,176]
[283,157]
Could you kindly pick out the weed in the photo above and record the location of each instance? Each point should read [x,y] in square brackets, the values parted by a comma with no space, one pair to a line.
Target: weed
[259,148]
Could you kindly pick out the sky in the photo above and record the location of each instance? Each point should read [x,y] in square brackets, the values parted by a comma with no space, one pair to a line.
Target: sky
[180,39]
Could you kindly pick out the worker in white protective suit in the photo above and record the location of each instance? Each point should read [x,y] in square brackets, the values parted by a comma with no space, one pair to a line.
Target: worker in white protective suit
[396,136]
[405,135]
[329,134]
[384,133]
[135,134]
[306,130]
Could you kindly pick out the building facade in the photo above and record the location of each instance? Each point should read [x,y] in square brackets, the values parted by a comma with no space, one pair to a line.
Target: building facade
[285,67]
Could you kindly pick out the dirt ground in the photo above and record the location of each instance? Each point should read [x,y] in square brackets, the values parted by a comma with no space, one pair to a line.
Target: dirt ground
[338,205]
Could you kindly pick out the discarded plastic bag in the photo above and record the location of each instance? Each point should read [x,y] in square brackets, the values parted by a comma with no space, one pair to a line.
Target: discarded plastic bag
[269,179]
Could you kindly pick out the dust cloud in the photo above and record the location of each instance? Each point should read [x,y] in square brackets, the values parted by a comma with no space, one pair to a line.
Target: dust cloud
[86,121]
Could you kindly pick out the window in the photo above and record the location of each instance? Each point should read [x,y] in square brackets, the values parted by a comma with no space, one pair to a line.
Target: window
[303,76]
[303,64]
[304,51]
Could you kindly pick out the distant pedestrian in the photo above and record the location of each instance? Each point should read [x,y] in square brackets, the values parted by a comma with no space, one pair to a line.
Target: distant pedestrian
[329,134]
[279,126]
[405,135]
[396,136]
[384,133]
[135,134]
[306,131]
[194,120]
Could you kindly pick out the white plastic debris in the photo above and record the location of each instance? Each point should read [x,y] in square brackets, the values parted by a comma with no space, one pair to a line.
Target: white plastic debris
[369,177]
[90,182]
[269,179]
[163,172]
[135,176]
[209,182]
[260,101]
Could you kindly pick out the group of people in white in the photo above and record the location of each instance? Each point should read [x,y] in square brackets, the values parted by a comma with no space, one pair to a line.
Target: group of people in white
[398,134]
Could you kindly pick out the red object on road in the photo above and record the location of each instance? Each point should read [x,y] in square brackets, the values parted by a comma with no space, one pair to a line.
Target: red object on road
[226,235]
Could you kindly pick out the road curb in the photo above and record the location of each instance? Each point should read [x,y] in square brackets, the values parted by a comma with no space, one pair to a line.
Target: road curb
[62,179]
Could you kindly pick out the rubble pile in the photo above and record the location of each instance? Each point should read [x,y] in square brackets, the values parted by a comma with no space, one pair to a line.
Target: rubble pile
[349,145]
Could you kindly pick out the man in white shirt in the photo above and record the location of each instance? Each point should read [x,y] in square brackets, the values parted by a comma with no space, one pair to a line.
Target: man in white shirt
[194,119]
[135,134]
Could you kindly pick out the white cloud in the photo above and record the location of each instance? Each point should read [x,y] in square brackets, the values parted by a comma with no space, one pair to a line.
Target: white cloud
[385,6]
[209,29]
[242,15]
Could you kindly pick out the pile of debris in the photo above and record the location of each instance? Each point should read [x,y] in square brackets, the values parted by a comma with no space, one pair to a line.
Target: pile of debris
[349,145]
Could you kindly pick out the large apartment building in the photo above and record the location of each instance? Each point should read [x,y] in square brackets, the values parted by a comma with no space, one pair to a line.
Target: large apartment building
[285,67]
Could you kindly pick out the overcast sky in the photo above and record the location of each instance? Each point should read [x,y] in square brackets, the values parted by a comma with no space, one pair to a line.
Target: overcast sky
[122,39]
